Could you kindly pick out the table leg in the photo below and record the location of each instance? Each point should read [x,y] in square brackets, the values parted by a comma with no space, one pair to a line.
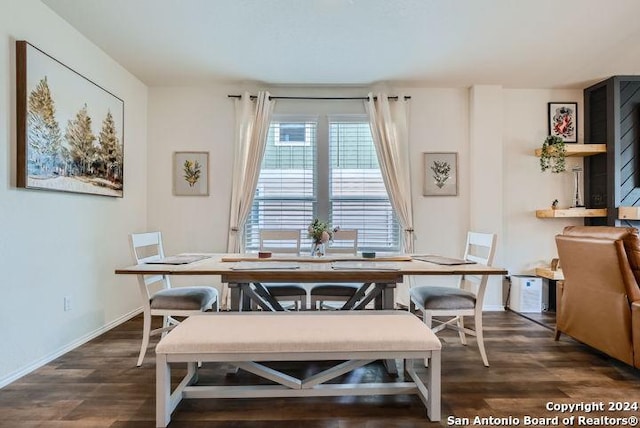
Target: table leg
[359,294]
[263,292]
[388,296]
[373,294]
[249,295]
[378,303]
[245,298]
[236,293]
[391,367]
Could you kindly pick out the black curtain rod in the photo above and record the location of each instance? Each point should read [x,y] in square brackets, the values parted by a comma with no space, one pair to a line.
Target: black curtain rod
[253,97]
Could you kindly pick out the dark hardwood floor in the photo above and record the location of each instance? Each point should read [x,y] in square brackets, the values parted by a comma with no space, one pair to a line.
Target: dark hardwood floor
[98,385]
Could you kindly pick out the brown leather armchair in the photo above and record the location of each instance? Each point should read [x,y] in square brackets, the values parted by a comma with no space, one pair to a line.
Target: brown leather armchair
[599,301]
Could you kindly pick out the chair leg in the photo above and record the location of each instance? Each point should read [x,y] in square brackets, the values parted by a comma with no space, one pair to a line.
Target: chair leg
[428,320]
[146,332]
[166,322]
[480,339]
[460,322]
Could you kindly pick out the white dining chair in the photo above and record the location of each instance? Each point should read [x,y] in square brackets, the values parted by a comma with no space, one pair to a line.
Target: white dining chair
[284,241]
[466,299]
[159,298]
[345,241]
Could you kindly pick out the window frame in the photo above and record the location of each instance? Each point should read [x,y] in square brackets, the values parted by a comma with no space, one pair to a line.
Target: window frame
[395,231]
[291,143]
[321,204]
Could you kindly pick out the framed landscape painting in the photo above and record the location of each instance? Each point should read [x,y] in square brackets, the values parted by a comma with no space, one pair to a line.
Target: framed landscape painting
[70,130]
[440,174]
[191,173]
[563,121]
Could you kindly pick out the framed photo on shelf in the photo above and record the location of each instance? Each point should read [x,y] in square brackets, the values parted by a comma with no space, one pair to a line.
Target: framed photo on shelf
[191,173]
[563,121]
[440,174]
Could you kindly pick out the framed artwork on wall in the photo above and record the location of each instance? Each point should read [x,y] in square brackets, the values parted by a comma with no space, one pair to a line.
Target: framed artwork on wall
[563,121]
[191,173]
[69,129]
[440,174]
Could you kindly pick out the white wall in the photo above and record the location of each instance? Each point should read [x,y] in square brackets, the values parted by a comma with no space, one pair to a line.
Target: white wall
[55,244]
[191,119]
[486,171]
[202,118]
[529,240]
[502,183]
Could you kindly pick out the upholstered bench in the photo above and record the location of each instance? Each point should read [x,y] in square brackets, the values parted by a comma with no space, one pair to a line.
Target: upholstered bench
[356,338]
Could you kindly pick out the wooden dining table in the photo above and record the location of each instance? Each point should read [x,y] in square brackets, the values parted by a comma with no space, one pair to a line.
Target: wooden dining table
[245,274]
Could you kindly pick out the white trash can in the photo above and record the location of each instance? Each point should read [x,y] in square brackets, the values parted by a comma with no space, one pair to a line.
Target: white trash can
[526,294]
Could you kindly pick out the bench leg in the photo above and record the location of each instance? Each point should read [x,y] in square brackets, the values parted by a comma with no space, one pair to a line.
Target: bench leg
[433,385]
[428,393]
[163,391]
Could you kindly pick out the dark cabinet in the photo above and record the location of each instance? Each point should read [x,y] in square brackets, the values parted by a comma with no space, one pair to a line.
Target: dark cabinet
[612,117]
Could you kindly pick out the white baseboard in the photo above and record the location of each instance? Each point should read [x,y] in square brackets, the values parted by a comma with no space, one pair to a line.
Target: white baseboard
[12,377]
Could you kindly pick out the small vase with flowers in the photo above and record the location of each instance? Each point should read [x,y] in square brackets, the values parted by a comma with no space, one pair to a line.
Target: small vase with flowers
[320,233]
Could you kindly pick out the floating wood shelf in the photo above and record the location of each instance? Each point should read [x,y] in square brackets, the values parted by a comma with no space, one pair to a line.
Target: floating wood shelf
[545,272]
[629,213]
[572,212]
[581,149]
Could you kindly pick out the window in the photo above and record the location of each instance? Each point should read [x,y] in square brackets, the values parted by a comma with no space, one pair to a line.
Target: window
[337,179]
[292,134]
[285,196]
[358,198]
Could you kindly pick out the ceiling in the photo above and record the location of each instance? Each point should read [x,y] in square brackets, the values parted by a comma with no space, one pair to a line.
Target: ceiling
[435,43]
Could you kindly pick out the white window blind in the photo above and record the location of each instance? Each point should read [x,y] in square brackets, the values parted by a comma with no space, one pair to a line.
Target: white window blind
[288,188]
[285,196]
[358,197]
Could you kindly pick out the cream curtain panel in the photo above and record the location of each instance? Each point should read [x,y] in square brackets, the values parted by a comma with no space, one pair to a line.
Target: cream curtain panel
[253,118]
[388,121]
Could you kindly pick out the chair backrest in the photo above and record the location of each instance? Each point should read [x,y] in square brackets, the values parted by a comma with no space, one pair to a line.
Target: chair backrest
[631,243]
[280,240]
[147,247]
[344,241]
[594,305]
[480,248]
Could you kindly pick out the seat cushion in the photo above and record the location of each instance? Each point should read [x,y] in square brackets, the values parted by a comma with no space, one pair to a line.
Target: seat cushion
[431,297]
[185,298]
[277,290]
[345,290]
[254,336]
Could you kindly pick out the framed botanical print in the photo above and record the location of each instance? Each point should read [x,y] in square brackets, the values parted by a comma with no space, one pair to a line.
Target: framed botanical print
[440,174]
[191,173]
[563,121]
